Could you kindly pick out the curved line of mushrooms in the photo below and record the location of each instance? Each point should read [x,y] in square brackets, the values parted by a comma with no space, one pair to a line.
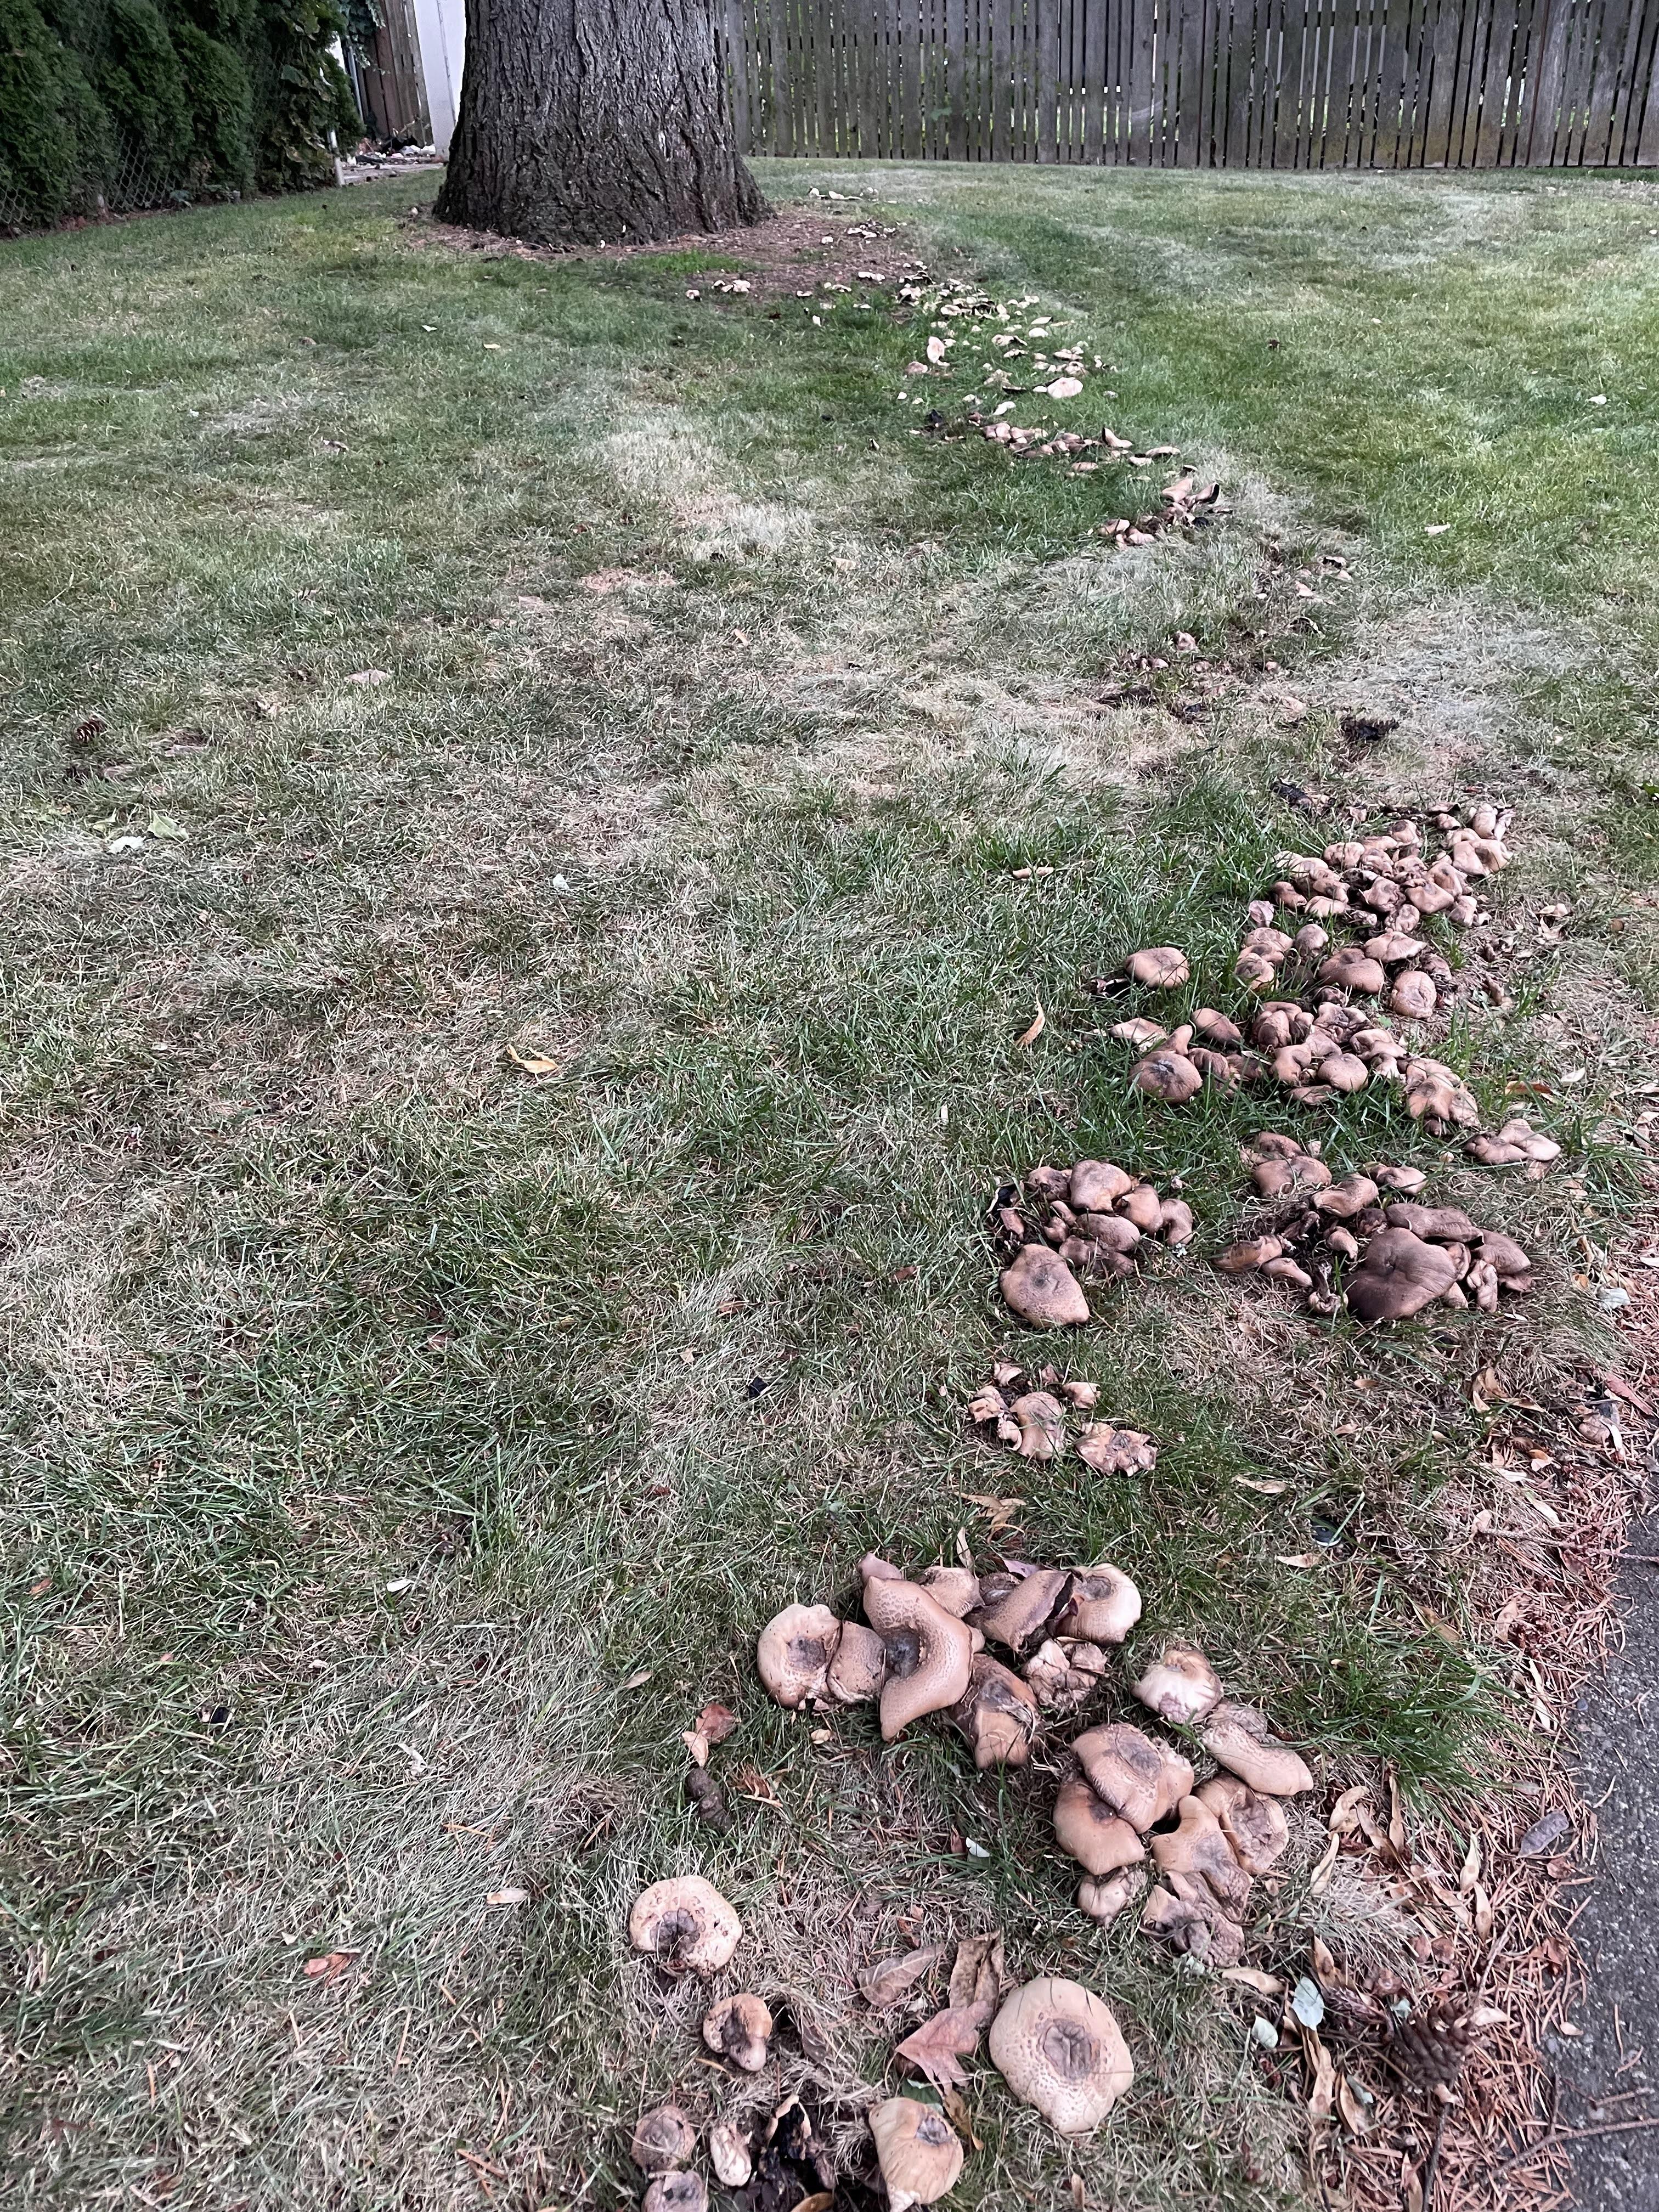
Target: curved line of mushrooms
[1333,1049]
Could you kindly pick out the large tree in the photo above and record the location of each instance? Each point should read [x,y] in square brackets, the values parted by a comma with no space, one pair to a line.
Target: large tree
[584,120]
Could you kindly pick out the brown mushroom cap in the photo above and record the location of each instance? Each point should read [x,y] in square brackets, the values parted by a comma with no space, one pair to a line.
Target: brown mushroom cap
[663,2139]
[1413,994]
[740,2028]
[1138,1032]
[1512,1264]
[1159,967]
[999,1715]
[1041,1421]
[1240,1739]
[1343,1072]
[1215,1029]
[685,1924]
[1184,1914]
[1131,1774]
[1103,1900]
[956,1589]
[1435,1225]
[1198,1848]
[1181,1684]
[1275,1178]
[1386,1176]
[1110,1230]
[1058,2048]
[794,1652]
[1352,970]
[1286,1271]
[1248,1254]
[1351,1196]
[1175,1223]
[1063,1676]
[1099,1839]
[1436,1093]
[1253,1824]
[1167,1075]
[1018,1619]
[1115,1451]
[1400,1275]
[917,2150]
[1103,1607]
[860,1666]
[1140,1206]
[729,2153]
[1097,1185]
[1039,1288]
[677,2192]
[929,1653]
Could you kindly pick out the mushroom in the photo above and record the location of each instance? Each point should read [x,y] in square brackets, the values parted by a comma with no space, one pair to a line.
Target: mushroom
[999,1715]
[1216,1029]
[794,1651]
[1099,1839]
[1160,967]
[1436,1094]
[1513,1266]
[1058,2048]
[1351,1196]
[740,2029]
[929,1653]
[1176,1223]
[1343,1242]
[1198,1848]
[1042,1425]
[1169,1076]
[1272,944]
[1187,1916]
[1275,1178]
[1351,970]
[1084,1395]
[1253,1824]
[860,1666]
[1039,1288]
[1393,947]
[685,1924]
[989,1409]
[874,1568]
[729,2153]
[1102,1606]
[1180,1686]
[1343,1072]
[1286,1271]
[1517,1140]
[663,2139]
[1405,1181]
[1111,1231]
[1413,994]
[1130,1774]
[677,2192]
[1103,1900]
[919,2152]
[1311,940]
[1063,1676]
[1400,1275]
[1141,1206]
[1115,1451]
[1019,1618]
[1435,1225]
[1138,1032]
[1481,1285]
[1240,1739]
[1248,1254]
[1097,1185]
[956,1589]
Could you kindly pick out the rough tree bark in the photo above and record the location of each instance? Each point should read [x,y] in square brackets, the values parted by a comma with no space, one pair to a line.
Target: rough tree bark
[591,120]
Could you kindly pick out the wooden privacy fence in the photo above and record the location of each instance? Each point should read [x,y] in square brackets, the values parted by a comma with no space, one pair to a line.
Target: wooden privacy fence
[1280,84]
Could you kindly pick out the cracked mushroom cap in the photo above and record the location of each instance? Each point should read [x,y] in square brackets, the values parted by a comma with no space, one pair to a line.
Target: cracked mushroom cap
[663,2139]
[1413,994]
[1019,1616]
[1131,1774]
[1039,1288]
[1063,1676]
[1058,2048]
[1199,1848]
[677,2192]
[1240,1739]
[1167,1075]
[1400,1275]
[919,2152]
[1184,1914]
[1180,1686]
[1253,1824]
[998,1716]
[794,1651]
[1103,1607]
[860,1666]
[729,2153]
[1097,1185]
[929,1653]
[685,1924]
[740,2029]
[1159,967]
[1103,1900]
[1099,1839]
[956,1589]
[1117,1451]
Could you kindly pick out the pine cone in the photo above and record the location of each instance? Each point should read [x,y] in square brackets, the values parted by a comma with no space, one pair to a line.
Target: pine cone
[1430,2052]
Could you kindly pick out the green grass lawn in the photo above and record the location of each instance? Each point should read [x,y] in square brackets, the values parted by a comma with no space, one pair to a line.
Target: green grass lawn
[401,1441]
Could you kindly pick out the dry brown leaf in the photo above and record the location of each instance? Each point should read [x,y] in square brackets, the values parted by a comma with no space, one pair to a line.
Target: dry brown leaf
[1267,1489]
[1252,1978]
[698,1744]
[329,1967]
[1344,1817]
[716,1722]
[956,2111]
[532,1063]
[888,1980]
[939,2042]
[1355,2117]
[977,1976]
[1031,1035]
[1000,1510]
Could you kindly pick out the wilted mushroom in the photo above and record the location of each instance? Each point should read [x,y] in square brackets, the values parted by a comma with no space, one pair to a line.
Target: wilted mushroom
[1063,1676]
[685,1924]
[677,2192]
[740,2029]
[1342,1200]
[1248,1254]
[1167,1075]
[1042,1425]
[999,1715]
[729,2153]
[1240,1739]
[860,1666]
[1160,967]
[956,1589]
[1115,1451]
[1216,1029]
[1184,1914]
[1018,1618]
[1103,1900]
[1181,1684]
[1399,1276]
[1436,1094]
[1253,1824]
[1435,1225]
[1101,1607]
[663,2139]
[928,1652]
[1131,1774]
[1058,2048]
[1198,1848]
[1039,1288]
[1517,1142]
[1099,1839]
[917,2150]
[794,1651]
[1286,1271]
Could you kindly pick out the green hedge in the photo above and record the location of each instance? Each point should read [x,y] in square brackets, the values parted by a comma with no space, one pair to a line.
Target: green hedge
[135,103]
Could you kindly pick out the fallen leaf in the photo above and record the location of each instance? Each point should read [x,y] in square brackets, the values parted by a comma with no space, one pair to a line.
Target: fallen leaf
[956,2111]
[1306,2002]
[1001,1510]
[1252,1978]
[716,1722]
[1267,1489]
[698,1744]
[938,2045]
[1299,1558]
[887,1981]
[371,676]
[753,1784]
[532,1063]
[1031,1035]
[507,1897]
[330,1966]
[636,1681]
[163,825]
[977,1976]
[1355,2117]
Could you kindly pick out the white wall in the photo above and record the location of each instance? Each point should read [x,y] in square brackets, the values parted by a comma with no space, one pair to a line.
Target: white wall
[440,27]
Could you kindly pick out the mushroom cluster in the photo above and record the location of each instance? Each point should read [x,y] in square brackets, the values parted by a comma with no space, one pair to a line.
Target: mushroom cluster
[1090,1220]
[1029,1413]
[1517,1144]
[1227,1830]
[1360,1240]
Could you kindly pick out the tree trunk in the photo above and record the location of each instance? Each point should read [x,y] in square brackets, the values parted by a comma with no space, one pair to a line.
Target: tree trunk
[591,121]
